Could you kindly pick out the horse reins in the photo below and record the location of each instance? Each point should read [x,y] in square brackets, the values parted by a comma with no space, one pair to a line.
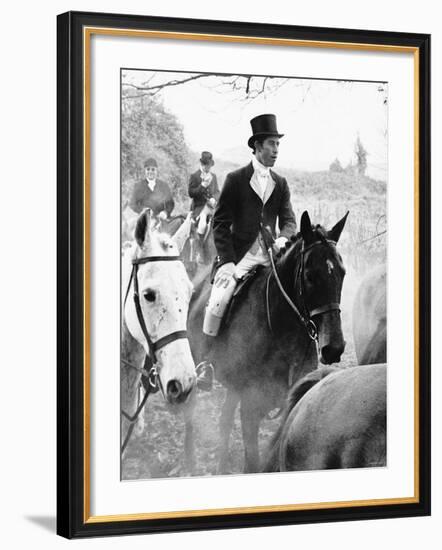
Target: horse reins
[152,375]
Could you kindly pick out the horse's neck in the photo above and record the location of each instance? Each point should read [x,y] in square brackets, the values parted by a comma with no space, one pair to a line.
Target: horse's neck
[287,271]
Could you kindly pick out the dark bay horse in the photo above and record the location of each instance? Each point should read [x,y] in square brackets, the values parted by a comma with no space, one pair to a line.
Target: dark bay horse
[370,318]
[335,418]
[199,250]
[156,296]
[266,346]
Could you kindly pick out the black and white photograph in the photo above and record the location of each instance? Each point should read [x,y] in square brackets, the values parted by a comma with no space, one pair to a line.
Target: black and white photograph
[220,276]
[253,273]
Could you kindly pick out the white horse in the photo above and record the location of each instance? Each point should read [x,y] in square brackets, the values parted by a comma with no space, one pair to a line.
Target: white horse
[156,296]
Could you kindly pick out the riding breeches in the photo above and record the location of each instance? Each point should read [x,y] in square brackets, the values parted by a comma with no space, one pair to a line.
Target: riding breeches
[203,220]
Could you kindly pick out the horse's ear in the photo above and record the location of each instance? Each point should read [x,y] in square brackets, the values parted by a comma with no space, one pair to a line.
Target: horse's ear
[306,227]
[336,231]
[182,234]
[142,229]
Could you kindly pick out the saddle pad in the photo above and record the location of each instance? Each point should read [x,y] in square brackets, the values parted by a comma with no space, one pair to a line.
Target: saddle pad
[240,292]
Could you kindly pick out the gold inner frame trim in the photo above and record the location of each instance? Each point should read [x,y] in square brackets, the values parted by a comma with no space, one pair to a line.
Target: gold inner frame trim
[253,509]
[87,33]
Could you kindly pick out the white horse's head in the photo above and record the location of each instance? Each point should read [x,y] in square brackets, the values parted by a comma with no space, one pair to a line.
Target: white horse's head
[164,295]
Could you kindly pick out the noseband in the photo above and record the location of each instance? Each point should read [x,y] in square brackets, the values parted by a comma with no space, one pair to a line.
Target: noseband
[305,319]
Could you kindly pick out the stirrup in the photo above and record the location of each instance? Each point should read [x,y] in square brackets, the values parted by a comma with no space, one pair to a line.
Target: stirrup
[204,375]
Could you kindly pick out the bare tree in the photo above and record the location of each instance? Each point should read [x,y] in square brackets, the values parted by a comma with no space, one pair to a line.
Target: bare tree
[247,87]
[361,156]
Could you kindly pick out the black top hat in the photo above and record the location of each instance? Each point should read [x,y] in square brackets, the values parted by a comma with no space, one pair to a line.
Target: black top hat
[263,126]
[207,158]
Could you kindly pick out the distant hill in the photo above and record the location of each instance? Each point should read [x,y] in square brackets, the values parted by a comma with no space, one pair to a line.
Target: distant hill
[327,196]
[327,185]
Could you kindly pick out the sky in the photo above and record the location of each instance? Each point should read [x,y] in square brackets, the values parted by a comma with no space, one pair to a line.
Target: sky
[320,119]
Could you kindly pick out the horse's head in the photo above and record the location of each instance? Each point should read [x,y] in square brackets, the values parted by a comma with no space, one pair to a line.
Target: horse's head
[164,292]
[318,277]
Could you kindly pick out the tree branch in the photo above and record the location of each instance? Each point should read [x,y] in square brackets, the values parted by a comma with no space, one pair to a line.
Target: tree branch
[158,87]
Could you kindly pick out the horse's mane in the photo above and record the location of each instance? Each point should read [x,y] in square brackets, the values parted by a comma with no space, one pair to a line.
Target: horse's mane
[293,245]
[298,390]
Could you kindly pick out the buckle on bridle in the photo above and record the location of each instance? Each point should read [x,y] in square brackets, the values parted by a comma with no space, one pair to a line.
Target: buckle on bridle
[153,376]
[312,331]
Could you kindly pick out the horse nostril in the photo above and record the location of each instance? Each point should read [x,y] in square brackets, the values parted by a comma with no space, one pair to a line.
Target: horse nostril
[331,354]
[174,389]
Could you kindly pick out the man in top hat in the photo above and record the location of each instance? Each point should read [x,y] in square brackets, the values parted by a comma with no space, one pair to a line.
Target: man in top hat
[204,192]
[151,192]
[253,198]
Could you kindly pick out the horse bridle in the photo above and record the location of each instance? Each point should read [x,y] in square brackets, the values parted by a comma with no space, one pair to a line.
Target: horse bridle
[305,319]
[154,378]
[153,375]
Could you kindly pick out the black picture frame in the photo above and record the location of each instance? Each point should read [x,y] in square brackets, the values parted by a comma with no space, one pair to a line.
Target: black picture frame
[73,520]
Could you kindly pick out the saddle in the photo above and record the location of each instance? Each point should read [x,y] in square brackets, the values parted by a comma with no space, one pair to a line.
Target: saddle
[240,293]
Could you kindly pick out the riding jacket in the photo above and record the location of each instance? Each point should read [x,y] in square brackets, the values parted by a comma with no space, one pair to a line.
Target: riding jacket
[200,194]
[157,200]
[241,214]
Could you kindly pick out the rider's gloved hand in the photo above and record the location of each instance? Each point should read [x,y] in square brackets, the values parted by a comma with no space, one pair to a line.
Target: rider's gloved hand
[162,215]
[224,273]
[211,202]
[280,242]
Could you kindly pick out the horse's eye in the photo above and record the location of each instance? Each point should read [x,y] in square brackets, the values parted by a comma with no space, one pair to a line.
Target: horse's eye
[150,296]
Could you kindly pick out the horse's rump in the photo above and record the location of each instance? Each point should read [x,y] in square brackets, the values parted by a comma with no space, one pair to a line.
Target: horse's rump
[296,393]
[370,318]
[339,422]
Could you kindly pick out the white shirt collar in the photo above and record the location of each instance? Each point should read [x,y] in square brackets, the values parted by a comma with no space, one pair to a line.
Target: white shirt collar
[203,172]
[151,183]
[206,176]
[260,168]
